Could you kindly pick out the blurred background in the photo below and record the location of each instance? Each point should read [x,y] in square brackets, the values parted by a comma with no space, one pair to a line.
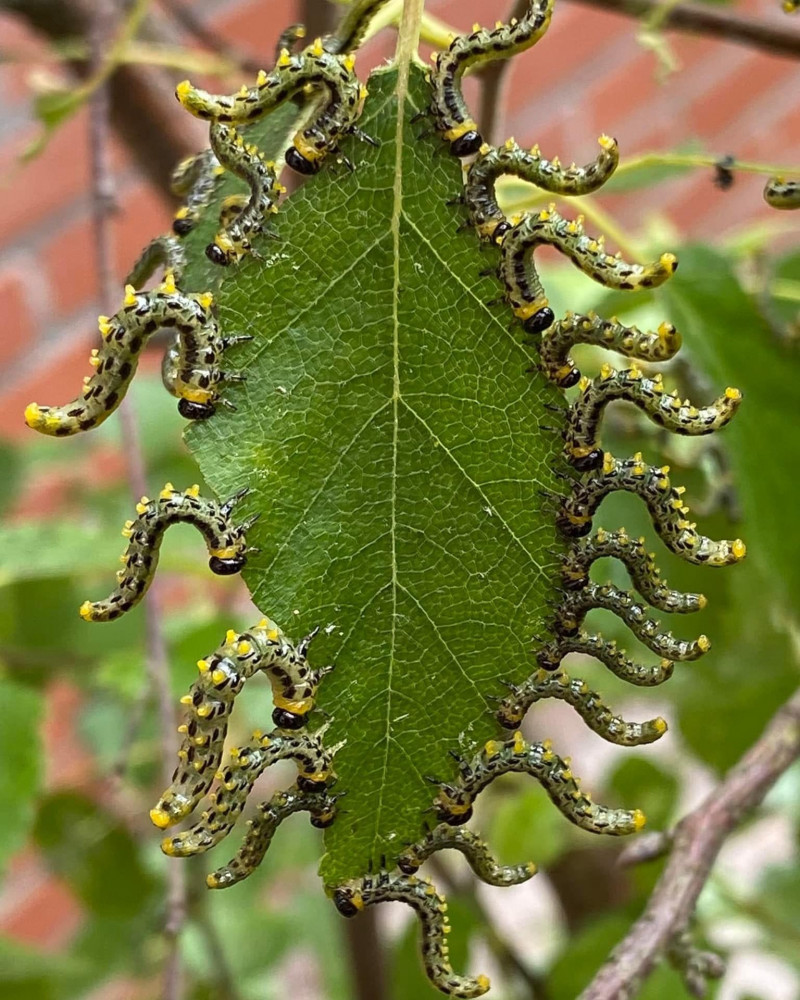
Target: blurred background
[85,891]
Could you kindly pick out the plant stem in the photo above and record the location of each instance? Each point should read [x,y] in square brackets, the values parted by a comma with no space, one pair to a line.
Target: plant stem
[158,667]
[697,842]
[701,19]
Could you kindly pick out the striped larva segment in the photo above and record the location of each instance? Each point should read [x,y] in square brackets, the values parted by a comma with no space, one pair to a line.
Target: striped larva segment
[648,394]
[479,858]
[518,273]
[242,221]
[352,29]
[578,603]
[263,826]
[165,252]
[236,781]
[640,564]
[453,804]
[352,897]
[783,194]
[195,179]
[448,107]
[556,343]
[221,676]
[587,703]
[226,541]
[664,502]
[607,652]
[529,165]
[198,376]
[314,67]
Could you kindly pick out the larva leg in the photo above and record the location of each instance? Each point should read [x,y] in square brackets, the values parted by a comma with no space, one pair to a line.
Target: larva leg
[444,837]
[237,780]
[263,826]
[125,334]
[564,334]
[648,394]
[448,106]
[607,652]
[163,251]
[664,502]
[194,179]
[780,193]
[587,703]
[577,604]
[454,801]
[639,563]
[491,163]
[313,67]
[353,27]
[245,160]
[431,908]
[222,674]
[518,272]
[226,541]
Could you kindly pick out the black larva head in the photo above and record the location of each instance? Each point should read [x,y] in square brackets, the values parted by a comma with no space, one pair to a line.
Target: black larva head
[284,719]
[323,820]
[309,784]
[540,321]
[217,255]
[466,144]
[509,721]
[296,160]
[182,227]
[500,231]
[407,866]
[458,819]
[571,378]
[343,901]
[195,411]
[587,463]
[572,530]
[227,567]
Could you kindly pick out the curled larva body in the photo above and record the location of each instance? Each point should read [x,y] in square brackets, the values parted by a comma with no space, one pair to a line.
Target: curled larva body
[237,778]
[783,194]
[226,541]
[664,502]
[647,393]
[564,334]
[352,29]
[587,703]
[479,858]
[263,826]
[529,165]
[640,564]
[165,252]
[313,67]
[449,109]
[607,652]
[431,908]
[222,674]
[195,179]
[243,221]
[578,603]
[198,377]
[453,804]
[518,273]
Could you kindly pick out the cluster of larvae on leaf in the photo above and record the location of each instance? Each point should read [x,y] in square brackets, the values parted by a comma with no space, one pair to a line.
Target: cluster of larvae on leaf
[193,372]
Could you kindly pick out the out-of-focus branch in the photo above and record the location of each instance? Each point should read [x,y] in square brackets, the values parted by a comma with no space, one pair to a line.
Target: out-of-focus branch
[696,843]
[143,110]
[492,82]
[724,24]
[195,26]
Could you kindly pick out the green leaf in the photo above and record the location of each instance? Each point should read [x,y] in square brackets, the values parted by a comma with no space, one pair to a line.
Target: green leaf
[22,770]
[392,435]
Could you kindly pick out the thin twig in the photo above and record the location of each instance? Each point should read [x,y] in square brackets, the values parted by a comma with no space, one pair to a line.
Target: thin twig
[158,666]
[196,27]
[492,83]
[696,19]
[697,842]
